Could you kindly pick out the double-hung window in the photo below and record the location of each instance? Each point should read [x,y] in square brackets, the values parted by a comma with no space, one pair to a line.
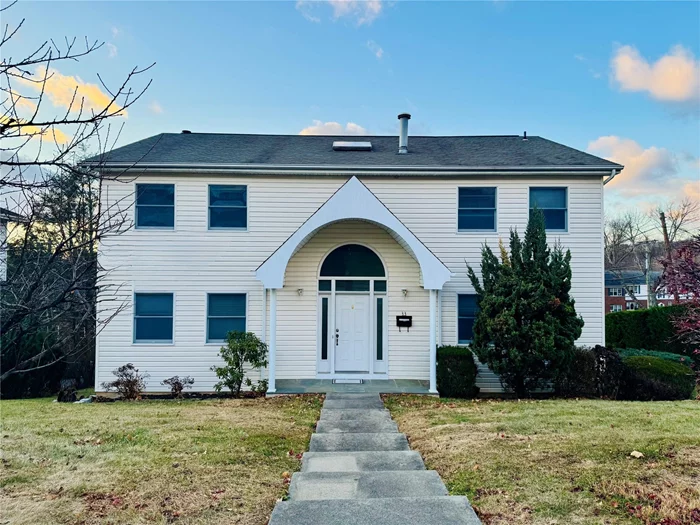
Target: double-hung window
[615,308]
[466,315]
[553,203]
[225,313]
[153,318]
[155,206]
[228,206]
[615,292]
[476,209]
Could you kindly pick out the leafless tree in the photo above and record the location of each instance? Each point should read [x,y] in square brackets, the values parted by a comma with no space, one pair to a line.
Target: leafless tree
[48,303]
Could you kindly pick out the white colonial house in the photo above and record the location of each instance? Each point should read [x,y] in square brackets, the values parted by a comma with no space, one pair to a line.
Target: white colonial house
[323,246]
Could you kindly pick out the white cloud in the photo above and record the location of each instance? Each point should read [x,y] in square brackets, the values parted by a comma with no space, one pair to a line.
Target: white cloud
[375,48]
[111,50]
[116,32]
[155,107]
[675,77]
[580,58]
[362,11]
[333,128]
[650,173]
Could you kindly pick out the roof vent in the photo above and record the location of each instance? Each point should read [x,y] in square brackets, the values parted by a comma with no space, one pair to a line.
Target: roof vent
[403,132]
[524,135]
[186,132]
[342,145]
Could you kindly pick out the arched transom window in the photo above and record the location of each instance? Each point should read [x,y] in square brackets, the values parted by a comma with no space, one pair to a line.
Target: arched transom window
[352,260]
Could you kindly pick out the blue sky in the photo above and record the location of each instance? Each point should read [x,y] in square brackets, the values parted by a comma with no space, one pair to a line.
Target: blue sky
[621,80]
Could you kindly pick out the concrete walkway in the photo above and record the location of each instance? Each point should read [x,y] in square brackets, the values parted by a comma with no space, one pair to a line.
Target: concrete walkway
[360,470]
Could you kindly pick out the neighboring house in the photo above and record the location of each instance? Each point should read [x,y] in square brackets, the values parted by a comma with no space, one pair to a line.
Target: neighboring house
[619,284]
[318,243]
[6,216]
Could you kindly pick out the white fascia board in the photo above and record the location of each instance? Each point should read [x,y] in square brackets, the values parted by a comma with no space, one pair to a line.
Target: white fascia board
[353,201]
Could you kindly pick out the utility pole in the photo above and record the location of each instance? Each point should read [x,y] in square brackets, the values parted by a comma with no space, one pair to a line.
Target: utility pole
[669,254]
[651,294]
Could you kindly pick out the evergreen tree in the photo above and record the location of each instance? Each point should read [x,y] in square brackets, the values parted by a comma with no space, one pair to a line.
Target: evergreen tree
[527,324]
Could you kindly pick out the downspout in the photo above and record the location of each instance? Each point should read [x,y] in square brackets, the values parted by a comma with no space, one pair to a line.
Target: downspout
[613,174]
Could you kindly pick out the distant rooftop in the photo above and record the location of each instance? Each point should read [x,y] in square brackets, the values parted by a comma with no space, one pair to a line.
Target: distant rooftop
[628,278]
[507,152]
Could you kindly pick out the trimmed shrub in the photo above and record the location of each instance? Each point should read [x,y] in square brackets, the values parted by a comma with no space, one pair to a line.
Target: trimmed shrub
[456,372]
[668,356]
[649,328]
[653,378]
[593,372]
[241,348]
[129,382]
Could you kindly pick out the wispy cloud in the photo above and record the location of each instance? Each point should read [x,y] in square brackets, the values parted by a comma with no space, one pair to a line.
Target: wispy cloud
[592,70]
[61,91]
[51,133]
[333,128]
[375,48]
[361,11]
[675,77]
[155,107]
[19,101]
[111,50]
[650,173]
[116,32]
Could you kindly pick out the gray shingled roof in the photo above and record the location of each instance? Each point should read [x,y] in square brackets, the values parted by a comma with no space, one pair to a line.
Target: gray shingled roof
[629,277]
[204,149]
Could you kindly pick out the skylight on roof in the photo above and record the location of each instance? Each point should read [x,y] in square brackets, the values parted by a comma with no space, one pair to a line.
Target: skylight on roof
[342,145]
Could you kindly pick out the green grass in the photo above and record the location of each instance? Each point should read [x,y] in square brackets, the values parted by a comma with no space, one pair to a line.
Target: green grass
[562,461]
[214,461]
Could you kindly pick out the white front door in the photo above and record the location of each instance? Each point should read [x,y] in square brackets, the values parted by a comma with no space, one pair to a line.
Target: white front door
[352,325]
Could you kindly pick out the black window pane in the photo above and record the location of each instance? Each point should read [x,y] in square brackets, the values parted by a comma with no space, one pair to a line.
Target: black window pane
[352,286]
[465,330]
[548,198]
[160,194]
[380,286]
[324,328]
[554,219]
[155,304]
[219,328]
[467,306]
[155,216]
[153,329]
[352,260]
[477,197]
[380,329]
[477,219]
[324,285]
[222,305]
[227,196]
[222,217]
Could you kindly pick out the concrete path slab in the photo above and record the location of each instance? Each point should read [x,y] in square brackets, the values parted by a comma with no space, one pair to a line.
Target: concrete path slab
[360,470]
[361,461]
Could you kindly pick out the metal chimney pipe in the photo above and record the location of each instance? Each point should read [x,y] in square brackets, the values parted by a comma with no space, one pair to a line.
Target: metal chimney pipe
[403,133]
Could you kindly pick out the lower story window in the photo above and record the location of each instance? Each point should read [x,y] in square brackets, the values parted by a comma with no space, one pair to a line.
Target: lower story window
[324,328]
[153,318]
[466,315]
[631,305]
[380,328]
[226,312]
[615,307]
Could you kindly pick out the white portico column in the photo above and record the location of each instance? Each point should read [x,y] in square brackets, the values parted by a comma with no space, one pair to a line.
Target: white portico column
[433,343]
[273,340]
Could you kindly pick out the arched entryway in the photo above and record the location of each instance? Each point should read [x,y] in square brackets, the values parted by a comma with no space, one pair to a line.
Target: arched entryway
[352,310]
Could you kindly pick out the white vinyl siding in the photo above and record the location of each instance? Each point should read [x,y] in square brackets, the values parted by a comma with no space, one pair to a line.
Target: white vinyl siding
[194,260]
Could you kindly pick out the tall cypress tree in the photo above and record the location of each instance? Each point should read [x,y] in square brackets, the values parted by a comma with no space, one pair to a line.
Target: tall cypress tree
[527,324]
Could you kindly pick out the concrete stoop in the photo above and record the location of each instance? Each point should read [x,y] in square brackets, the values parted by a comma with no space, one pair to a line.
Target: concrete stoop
[360,470]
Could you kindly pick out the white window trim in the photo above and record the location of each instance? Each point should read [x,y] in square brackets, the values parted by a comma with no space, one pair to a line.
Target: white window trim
[228,228]
[133,319]
[207,342]
[136,209]
[495,222]
[566,196]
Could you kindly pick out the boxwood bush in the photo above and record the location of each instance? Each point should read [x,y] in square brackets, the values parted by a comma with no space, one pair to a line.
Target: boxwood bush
[592,372]
[649,328]
[653,378]
[456,372]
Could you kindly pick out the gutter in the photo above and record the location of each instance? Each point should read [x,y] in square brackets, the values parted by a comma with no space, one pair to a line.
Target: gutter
[613,174]
[267,169]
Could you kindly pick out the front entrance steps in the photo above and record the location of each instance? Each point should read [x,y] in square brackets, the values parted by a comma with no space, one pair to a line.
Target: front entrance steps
[360,470]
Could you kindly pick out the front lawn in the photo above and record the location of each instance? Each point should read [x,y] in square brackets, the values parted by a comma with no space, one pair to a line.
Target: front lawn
[214,461]
[562,461]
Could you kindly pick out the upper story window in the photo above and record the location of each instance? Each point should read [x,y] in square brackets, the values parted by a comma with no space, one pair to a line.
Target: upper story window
[155,206]
[615,292]
[153,318]
[226,312]
[637,289]
[553,203]
[476,209]
[466,315]
[228,206]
